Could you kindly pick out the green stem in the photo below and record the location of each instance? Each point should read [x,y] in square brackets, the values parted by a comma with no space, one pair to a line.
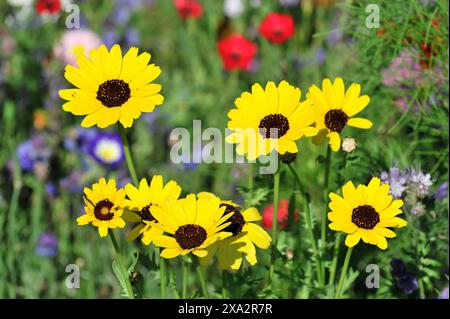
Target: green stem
[185,279]
[337,244]
[421,289]
[307,209]
[276,189]
[224,284]
[325,210]
[201,277]
[250,182]
[128,157]
[312,239]
[172,284]
[129,288]
[344,272]
[162,274]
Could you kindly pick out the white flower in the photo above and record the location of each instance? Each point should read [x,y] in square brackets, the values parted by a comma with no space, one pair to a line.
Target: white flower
[233,8]
[348,144]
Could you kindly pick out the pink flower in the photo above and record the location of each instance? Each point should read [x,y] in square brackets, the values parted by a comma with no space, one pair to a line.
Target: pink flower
[76,42]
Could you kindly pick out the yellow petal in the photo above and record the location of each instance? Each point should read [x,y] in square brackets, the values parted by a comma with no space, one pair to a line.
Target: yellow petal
[359,123]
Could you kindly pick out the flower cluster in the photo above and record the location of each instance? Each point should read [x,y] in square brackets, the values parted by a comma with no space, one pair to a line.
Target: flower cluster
[273,118]
[200,224]
[411,184]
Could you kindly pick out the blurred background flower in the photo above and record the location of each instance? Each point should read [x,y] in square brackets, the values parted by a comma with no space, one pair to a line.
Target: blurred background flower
[47,245]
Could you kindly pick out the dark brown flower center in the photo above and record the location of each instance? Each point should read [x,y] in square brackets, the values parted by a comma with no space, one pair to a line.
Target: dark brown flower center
[335,120]
[145,214]
[237,220]
[102,210]
[274,126]
[190,236]
[113,93]
[365,216]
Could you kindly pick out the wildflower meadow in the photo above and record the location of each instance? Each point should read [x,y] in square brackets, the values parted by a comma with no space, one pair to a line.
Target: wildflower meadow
[224,149]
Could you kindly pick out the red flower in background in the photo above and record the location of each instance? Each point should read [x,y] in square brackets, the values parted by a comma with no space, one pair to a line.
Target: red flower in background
[237,52]
[283,212]
[189,8]
[48,6]
[277,28]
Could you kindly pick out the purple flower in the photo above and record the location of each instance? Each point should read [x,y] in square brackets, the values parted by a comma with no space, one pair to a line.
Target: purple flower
[72,183]
[396,180]
[419,183]
[408,283]
[321,55]
[32,152]
[404,280]
[47,245]
[51,190]
[404,69]
[191,162]
[444,294]
[398,267]
[79,139]
[442,191]
[106,148]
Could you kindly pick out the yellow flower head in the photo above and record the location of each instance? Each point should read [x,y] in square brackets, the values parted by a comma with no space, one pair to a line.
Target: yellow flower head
[246,234]
[103,208]
[270,119]
[192,225]
[365,213]
[111,88]
[334,108]
[139,203]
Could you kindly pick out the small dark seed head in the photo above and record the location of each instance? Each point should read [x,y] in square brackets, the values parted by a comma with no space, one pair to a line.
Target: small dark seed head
[113,93]
[145,213]
[274,126]
[102,210]
[288,158]
[190,236]
[237,220]
[365,216]
[335,120]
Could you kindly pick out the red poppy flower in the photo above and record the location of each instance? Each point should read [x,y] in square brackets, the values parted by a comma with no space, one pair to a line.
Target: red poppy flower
[189,8]
[48,6]
[283,212]
[237,52]
[277,28]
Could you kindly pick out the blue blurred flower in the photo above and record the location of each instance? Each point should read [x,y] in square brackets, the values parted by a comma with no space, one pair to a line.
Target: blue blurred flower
[72,183]
[191,162]
[32,152]
[404,280]
[408,283]
[106,148]
[289,3]
[398,267]
[51,190]
[47,245]
[79,139]
[444,294]
[442,191]
[321,55]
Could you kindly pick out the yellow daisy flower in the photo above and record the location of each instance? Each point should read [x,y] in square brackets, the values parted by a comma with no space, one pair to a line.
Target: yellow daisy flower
[192,224]
[112,88]
[270,119]
[139,203]
[365,213]
[334,108]
[246,234]
[103,208]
